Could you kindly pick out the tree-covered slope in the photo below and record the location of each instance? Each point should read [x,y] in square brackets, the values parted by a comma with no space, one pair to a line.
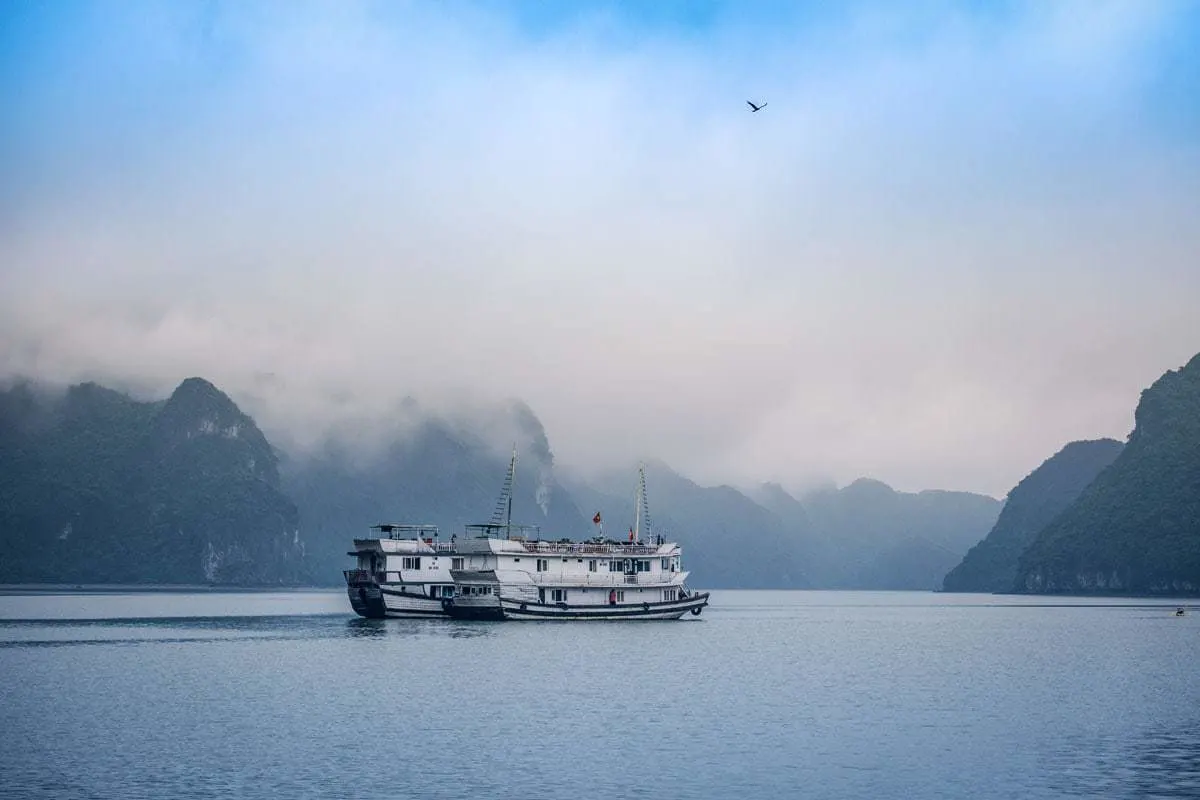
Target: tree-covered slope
[1136,528]
[991,565]
[98,487]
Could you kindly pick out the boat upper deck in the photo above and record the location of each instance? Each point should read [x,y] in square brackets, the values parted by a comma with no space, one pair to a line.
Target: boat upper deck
[425,545]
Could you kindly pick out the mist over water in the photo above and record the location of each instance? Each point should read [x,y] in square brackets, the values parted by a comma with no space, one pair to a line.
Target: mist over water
[815,694]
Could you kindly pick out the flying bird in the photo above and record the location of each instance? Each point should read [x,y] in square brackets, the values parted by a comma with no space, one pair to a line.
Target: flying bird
[753,107]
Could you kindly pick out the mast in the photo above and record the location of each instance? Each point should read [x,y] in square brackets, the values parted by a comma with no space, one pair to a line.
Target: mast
[512,481]
[637,511]
[643,506]
[502,514]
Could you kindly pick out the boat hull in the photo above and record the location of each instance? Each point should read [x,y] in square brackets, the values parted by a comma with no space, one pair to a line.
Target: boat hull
[490,612]
[674,609]
[374,601]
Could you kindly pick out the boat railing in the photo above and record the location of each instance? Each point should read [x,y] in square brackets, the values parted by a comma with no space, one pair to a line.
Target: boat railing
[607,579]
[439,547]
[357,576]
[590,548]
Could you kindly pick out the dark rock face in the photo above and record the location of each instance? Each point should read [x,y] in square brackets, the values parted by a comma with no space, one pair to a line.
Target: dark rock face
[100,487]
[1136,528]
[991,565]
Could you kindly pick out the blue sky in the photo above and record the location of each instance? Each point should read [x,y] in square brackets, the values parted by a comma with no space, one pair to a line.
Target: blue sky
[957,228]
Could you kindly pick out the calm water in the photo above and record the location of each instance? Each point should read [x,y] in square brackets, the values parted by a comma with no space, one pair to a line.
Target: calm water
[767,695]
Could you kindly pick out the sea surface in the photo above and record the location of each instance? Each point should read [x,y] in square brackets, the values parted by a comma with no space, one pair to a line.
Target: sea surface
[765,695]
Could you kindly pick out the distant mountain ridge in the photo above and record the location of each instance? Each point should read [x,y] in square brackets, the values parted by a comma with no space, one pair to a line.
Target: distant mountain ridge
[729,540]
[98,487]
[869,536]
[863,536]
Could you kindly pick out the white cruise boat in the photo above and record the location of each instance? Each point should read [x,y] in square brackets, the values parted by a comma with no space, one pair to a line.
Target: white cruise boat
[403,573]
[500,573]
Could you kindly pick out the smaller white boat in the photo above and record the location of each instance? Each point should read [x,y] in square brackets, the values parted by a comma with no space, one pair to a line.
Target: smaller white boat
[405,572]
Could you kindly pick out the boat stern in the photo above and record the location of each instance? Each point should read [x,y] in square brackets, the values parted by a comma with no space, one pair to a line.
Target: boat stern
[366,598]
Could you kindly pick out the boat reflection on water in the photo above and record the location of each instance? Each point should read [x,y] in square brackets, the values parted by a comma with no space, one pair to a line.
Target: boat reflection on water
[360,628]
[365,628]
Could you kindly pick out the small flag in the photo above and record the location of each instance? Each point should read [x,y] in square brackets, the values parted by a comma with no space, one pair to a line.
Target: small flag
[596,519]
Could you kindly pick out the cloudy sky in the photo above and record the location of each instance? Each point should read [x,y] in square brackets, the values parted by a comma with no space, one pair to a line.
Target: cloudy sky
[958,236]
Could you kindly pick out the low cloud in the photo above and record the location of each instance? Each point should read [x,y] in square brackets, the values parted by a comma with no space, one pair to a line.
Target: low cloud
[950,243]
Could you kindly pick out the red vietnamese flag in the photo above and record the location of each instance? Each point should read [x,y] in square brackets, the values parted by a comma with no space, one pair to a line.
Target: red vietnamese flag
[596,519]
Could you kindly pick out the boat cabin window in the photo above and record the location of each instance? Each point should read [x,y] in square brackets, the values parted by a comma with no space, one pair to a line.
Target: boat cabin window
[456,563]
[516,559]
[559,595]
[543,564]
[615,566]
[642,565]
[592,565]
[665,562]
[668,594]
[412,562]
[620,595]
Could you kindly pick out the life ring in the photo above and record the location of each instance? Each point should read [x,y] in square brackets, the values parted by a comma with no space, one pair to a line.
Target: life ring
[446,603]
[696,611]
